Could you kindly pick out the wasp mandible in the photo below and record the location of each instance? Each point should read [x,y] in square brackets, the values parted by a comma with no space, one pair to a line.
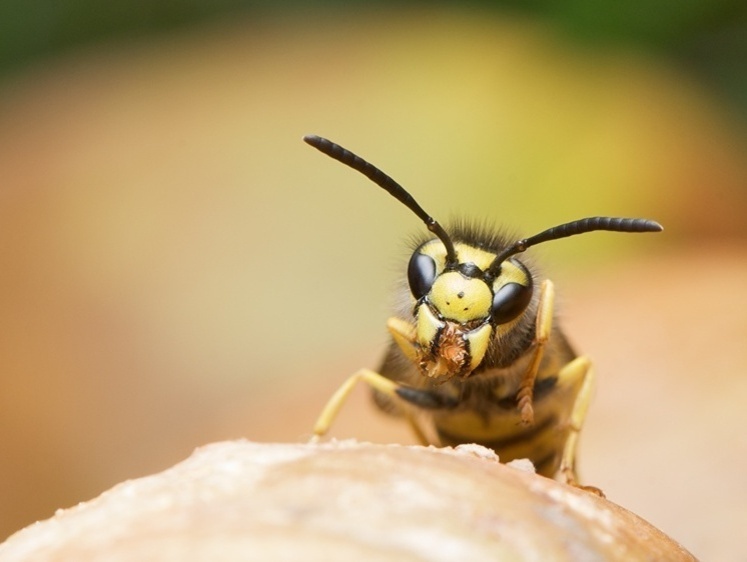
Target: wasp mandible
[476,355]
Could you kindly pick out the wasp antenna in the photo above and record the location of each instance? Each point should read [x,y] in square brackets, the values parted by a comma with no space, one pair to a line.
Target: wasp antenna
[590,224]
[354,161]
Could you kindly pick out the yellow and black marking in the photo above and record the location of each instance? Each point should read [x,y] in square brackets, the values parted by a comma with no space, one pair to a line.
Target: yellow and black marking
[475,356]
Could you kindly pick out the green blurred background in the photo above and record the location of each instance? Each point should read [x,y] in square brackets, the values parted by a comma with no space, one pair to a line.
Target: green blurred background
[179,268]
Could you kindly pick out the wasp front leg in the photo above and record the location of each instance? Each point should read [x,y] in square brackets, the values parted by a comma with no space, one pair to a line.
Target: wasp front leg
[543,328]
[403,334]
[335,403]
[378,382]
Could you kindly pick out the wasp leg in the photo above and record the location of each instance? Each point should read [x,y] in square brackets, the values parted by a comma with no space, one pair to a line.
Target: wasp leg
[334,404]
[543,328]
[417,430]
[403,334]
[577,372]
[376,381]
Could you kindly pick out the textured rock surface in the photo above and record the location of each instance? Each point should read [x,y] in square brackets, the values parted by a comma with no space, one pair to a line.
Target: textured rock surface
[342,501]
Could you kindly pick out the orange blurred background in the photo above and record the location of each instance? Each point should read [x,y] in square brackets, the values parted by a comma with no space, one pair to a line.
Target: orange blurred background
[179,268]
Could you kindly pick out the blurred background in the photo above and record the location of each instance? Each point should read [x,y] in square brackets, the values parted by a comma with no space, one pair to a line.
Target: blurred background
[177,267]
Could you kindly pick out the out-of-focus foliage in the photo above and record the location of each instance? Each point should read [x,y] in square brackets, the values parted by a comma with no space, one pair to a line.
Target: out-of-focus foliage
[33,28]
[708,37]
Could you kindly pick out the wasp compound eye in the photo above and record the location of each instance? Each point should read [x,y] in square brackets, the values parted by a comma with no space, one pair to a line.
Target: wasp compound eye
[510,301]
[421,272]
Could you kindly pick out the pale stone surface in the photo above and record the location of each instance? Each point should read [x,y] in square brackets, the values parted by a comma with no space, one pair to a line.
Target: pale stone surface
[341,501]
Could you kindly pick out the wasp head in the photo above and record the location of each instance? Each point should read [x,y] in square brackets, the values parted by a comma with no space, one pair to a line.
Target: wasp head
[460,305]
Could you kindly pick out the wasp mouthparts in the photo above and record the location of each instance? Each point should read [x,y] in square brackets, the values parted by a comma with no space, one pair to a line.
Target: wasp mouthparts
[449,356]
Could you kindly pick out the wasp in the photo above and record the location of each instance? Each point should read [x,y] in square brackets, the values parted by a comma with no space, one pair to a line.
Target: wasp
[476,355]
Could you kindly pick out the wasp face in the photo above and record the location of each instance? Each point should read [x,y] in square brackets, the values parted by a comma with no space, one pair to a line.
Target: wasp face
[466,296]
[460,308]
